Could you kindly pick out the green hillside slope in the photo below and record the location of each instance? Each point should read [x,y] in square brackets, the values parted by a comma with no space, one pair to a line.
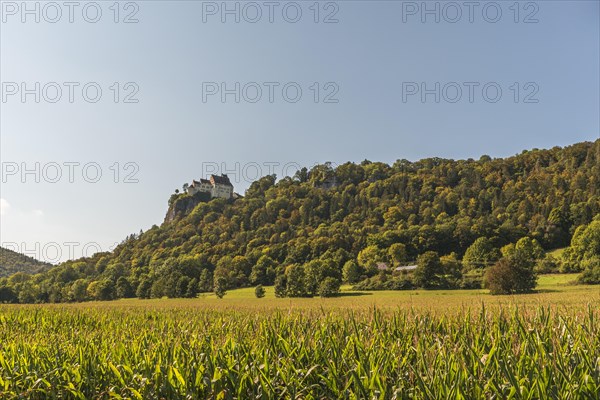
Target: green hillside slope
[324,217]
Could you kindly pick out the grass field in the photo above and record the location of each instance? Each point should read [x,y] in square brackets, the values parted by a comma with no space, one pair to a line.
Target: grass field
[382,345]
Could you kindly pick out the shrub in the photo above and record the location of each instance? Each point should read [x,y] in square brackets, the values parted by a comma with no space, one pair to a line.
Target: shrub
[547,265]
[401,282]
[259,292]
[472,280]
[428,272]
[591,272]
[280,286]
[510,275]
[220,285]
[329,287]
[351,272]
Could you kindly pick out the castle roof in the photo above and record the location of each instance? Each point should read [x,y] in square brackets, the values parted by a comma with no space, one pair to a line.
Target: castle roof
[221,180]
[195,182]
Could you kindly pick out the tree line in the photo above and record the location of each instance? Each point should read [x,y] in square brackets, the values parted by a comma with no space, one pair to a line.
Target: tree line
[464,223]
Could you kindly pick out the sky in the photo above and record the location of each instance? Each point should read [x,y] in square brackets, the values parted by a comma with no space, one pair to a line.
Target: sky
[107,107]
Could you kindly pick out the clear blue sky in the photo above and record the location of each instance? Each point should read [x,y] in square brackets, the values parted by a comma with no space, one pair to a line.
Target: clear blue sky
[374,56]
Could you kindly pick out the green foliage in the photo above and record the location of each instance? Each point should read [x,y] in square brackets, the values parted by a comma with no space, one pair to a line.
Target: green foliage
[7,295]
[297,281]
[78,291]
[368,212]
[351,272]
[369,257]
[12,262]
[429,271]
[329,287]
[547,265]
[397,253]
[591,271]
[101,290]
[280,286]
[220,287]
[513,273]
[584,252]
[480,254]
[123,288]
[386,281]
[472,279]
[259,292]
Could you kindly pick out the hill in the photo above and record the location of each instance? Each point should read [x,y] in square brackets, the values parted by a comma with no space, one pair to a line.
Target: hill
[12,262]
[304,229]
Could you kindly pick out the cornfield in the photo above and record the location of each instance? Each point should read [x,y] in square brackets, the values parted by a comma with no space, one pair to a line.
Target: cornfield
[180,353]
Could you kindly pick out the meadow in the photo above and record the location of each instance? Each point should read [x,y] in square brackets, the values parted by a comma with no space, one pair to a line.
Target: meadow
[360,345]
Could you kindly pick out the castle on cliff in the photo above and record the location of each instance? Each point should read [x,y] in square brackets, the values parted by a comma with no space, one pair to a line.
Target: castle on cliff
[216,185]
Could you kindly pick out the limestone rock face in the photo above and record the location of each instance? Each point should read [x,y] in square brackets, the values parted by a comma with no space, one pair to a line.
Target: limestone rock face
[184,205]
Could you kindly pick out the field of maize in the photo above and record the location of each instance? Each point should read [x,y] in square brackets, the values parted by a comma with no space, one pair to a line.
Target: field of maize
[182,352]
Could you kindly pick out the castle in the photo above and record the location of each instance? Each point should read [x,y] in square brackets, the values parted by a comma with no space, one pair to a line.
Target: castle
[217,186]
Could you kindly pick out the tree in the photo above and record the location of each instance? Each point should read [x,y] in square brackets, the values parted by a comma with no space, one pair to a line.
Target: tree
[220,287]
[500,278]
[192,289]
[429,269]
[397,253]
[7,295]
[528,249]
[547,265]
[101,290]
[329,287]
[123,288]
[365,215]
[512,274]
[181,287]
[205,283]
[159,288]
[584,252]
[263,272]
[296,281]
[451,268]
[259,292]
[480,254]
[369,257]
[351,272]
[591,271]
[280,286]
[78,291]
[144,287]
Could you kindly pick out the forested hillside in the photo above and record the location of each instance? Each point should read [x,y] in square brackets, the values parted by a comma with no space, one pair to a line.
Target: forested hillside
[343,223]
[12,262]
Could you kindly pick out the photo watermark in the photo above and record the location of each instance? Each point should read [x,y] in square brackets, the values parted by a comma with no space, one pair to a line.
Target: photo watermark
[55,252]
[453,12]
[69,172]
[469,92]
[69,92]
[70,12]
[270,92]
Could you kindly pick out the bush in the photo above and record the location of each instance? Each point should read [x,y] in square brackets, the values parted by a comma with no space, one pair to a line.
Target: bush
[510,275]
[401,282]
[591,272]
[351,272]
[429,271]
[547,265]
[7,295]
[472,280]
[259,292]
[280,286]
[220,285]
[329,287]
